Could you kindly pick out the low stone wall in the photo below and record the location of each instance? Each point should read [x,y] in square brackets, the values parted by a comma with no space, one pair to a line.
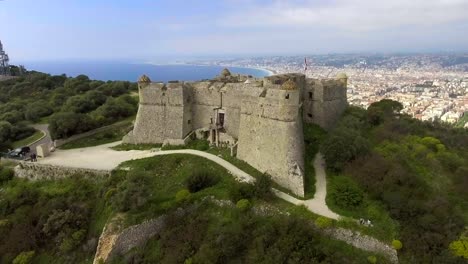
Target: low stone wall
[37,171]
[362,242]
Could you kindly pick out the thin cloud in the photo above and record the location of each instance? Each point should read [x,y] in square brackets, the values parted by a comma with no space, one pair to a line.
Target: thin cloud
[354,15]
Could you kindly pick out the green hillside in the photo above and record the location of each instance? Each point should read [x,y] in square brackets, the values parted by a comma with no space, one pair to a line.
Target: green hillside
[417,172]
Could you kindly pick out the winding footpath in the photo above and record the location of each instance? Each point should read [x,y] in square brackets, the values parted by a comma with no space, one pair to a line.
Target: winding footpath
[104,158]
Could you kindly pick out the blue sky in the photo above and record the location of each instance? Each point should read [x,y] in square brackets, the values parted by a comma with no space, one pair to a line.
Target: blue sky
[151,30]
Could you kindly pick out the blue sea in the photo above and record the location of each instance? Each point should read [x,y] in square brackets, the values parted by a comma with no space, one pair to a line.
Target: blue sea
[131,71]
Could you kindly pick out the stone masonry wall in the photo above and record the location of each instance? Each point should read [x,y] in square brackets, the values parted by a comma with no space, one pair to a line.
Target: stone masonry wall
[324,101]
[37,171]
[163,114]
[271,138]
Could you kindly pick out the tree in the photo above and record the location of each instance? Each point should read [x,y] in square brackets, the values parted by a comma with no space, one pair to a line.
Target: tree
[5,131]
[343,145]
[37,110]
[79,104]
[66,124]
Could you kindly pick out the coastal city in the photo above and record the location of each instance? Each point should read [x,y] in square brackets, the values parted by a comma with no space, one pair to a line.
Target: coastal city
[430,87]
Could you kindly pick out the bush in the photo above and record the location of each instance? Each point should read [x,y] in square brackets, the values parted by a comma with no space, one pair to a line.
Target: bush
[132,193]
[263,187]
[323,222]
[242,191]
[459,248]
[24,258]
[345,193]
[5,223]
[396,244]
[182,195]
[111,192]
[243,204]
[6,174]
[70,243]
[372,259]
[200,180]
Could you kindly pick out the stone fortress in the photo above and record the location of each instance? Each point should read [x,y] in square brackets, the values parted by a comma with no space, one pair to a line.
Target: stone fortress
[261,120]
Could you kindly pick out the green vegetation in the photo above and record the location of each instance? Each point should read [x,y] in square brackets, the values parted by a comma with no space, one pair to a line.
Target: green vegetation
[69,105]
[460,247]
[127,147]
[243,204]
[408,177]
[396,244]
[323,222]
[61,220]
[115,133]
[29,140]
[49,218]
[463,120]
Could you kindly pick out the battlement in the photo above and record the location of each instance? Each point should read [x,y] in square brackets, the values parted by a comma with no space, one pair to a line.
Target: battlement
[263,117]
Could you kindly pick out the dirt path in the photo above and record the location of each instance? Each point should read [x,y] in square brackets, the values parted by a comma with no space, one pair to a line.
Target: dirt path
[104,158]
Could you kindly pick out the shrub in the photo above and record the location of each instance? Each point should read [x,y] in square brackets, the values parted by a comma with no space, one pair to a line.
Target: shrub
[110,193]
[345,193]
[396,244]
[73,241]
[460,247]
[6,174]
[263,187]
[200,180]
[5,223]
[182,195]
[323,222]
[24,258]
[242,191]
[132,193]
[372,259]
[243,204]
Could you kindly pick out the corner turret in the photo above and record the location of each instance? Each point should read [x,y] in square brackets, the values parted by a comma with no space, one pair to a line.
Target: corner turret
[343,78]
[144,81]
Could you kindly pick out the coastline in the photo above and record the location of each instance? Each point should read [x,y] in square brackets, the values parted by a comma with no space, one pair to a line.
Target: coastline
[268,72]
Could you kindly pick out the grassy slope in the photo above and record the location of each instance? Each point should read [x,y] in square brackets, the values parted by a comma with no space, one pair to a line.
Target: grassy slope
[29,140]
[104,137]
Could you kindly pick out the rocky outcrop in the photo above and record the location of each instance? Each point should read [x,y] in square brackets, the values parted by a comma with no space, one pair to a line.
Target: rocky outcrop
[115,242]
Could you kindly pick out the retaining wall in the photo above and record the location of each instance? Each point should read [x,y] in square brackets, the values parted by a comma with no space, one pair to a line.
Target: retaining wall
[37,171]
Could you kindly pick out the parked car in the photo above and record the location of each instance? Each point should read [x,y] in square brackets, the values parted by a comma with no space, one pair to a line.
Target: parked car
[19,152]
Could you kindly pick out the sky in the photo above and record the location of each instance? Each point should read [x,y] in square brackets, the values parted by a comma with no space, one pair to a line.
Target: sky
[143,30]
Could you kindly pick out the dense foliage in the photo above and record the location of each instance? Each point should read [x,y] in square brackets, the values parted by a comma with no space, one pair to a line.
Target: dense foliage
[60,221]
[74,104]
[417,171]
[45,218]
[237,235]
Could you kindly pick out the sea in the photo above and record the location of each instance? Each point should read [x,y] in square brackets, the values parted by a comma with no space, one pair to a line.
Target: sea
[124,71]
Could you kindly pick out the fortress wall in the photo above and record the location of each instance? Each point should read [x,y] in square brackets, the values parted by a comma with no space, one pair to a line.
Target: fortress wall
[273,144]
[328,102]
[232,99]
[274,105]
[205,99]
[162,114]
